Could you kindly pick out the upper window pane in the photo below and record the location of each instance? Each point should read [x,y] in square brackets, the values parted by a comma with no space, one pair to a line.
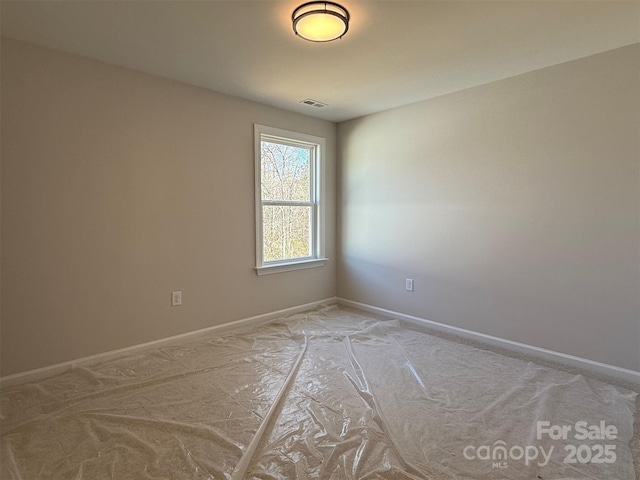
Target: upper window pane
[285,172]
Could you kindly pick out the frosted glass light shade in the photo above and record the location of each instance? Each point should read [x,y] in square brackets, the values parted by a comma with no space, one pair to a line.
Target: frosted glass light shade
[320,21]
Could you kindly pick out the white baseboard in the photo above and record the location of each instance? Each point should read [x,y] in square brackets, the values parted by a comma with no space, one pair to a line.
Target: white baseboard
[49,371]
[623,374]
[630,376]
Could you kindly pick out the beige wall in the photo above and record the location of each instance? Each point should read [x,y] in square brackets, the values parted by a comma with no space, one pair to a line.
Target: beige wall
[515,206]
[119,187]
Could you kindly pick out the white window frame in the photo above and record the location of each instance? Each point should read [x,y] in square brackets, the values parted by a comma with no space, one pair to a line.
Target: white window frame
[317,257]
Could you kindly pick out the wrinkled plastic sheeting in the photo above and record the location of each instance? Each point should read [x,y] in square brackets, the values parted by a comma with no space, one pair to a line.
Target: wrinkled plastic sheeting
[330,394]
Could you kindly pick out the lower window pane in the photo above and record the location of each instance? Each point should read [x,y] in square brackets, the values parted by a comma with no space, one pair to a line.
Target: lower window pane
[286,232]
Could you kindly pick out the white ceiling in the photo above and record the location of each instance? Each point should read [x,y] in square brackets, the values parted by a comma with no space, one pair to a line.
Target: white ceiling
[396,52]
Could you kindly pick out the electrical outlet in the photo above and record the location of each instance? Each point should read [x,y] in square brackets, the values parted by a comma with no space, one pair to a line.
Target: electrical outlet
[408,284]
[176,299]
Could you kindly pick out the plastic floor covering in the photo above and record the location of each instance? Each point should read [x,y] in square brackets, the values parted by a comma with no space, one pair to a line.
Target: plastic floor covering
[329,394]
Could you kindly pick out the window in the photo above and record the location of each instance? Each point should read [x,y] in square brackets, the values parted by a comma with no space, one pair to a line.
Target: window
[289,217]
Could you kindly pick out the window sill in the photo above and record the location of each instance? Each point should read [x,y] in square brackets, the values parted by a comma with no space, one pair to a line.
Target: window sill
[290,266]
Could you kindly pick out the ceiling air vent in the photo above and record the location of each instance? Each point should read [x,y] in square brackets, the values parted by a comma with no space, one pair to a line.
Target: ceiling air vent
[313,103]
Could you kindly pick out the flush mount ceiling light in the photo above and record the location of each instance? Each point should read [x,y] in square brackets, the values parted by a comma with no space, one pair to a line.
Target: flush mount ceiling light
[320,21]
